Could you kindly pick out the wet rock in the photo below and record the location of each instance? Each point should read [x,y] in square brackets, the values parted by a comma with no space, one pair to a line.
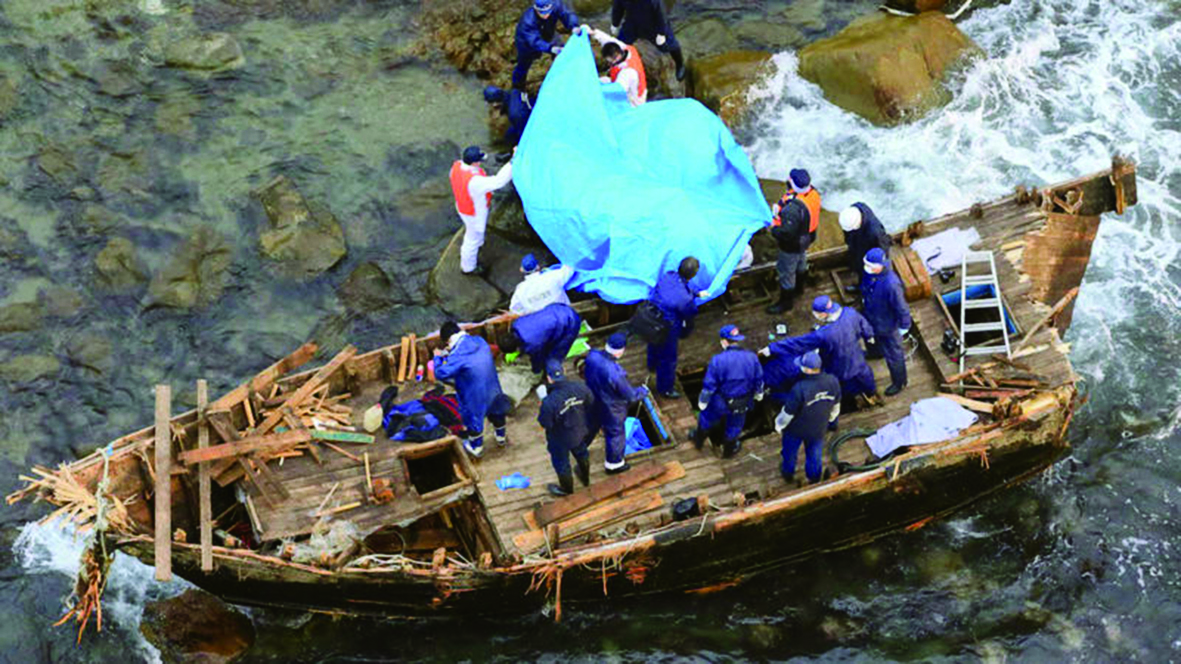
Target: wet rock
[9,94]
[432,200]
[507,219]
[215,51]
[196,627]
[28,368]
[20,317]
[806,15]
[661,72]
[369,289]
[465,297]
[83,193]
[118,265]
[588,8]
[888,69]
[59,164]
[118,79]
[305,237]
[720,81]
[60,301]
[125,173]
[196,273]
[706,37]
[175,114]
[91,350]
[477,37]
[916,6]
[769,36]
[97,220]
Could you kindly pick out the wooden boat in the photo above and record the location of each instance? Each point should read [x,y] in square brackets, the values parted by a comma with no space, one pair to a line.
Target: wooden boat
[450,541]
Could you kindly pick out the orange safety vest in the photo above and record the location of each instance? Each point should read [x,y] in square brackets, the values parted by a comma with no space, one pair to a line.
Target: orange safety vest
[460,177]
[632,61]
[811,200]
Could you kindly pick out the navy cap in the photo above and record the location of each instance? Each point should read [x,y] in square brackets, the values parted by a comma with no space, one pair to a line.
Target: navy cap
[730,333]
[799,179]
[529,263]
[824,304]
[543,6]
[875,256]
[617,341]
[809,360]
[493,94]
[473,154]
[554,371]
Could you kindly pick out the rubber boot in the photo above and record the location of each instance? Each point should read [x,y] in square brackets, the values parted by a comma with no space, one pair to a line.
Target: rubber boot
[564,487]
[894,389]
[679,61]
[698,437]
[731,448]
[785,303]
[583,471]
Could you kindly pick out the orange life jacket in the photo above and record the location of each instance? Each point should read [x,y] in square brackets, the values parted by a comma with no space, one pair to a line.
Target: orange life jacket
[460,177]
[810,199]
[632,61]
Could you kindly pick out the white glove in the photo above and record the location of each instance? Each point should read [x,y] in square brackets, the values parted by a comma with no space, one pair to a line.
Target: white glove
[614,29]
[904,331]
[836,412]
[782,420]
[765,351]
[871,340]
[555,49]
[541,392]
[660,39]
[702,405]
[759,395]
[703,294]
[580,30]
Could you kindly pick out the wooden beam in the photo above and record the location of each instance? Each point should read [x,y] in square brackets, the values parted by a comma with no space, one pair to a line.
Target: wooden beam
[163,495]
[589,521]
[580,500]
[970,404]
[404,358]
[301,393]
[1066,299]
[270,443]
[263,380]
[342,436]
[204,490]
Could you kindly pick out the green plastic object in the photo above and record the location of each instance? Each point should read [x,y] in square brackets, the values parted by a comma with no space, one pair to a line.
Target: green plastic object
[580,347]
[509,358]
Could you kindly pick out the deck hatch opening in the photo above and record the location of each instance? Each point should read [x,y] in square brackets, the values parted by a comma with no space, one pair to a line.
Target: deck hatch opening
[760,421]
[979,315]
[432,471]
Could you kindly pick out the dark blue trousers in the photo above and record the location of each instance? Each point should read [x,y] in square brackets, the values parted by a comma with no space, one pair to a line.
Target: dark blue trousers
[663,360]
[716,413]
[813,450]
[889,345]
[560,453]
[525,60]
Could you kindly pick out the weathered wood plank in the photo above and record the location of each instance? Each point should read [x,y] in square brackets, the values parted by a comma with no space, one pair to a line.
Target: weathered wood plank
[307,388]
[342,436]
[163,494]
[275,442]
[590,521]
[596,492]
[203,485]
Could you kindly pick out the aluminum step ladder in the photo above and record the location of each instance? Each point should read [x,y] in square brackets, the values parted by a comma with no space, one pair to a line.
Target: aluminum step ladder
[994,303]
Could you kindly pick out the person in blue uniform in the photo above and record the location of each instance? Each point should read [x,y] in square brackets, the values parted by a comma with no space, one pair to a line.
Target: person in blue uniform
[614,395]
[535,35]
[813,403]
[781,371]
[646,19]
[567,415]
[733,382]
[517,107]
[838,340]
[546,335]
[467,364]
[887,312]
[674,297]
[793,239]
[863,232]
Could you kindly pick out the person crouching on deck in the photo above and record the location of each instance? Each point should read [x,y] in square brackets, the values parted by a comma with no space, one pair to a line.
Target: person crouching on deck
[473,189]
[567,415]
[614,395]
[546,336]
[733,382]
[541,287]
[887,312]
[467,364]
[677,303]
[813,403]
[625,67]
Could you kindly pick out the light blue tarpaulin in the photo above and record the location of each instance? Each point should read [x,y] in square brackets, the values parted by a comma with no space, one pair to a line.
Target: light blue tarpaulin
[623,194]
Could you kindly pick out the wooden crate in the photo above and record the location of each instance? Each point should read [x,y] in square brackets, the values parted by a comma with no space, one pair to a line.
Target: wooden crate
[915,279]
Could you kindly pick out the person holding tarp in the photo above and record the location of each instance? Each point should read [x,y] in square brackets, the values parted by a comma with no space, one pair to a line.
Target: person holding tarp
[812,405]
[887,312]
[568,416]
[535,35]
[541,286]
[467,363]
[645,19]
[545,336]
[473,189]
[625,67]
[733,382]
[676,303]
[614,395]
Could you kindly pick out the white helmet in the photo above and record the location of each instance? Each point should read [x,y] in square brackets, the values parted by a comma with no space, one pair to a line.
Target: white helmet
[850,219]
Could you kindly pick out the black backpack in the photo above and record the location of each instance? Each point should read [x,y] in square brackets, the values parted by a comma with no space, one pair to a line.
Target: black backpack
[649,324]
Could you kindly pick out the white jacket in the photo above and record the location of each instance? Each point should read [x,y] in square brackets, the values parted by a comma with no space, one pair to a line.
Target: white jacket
[541,289]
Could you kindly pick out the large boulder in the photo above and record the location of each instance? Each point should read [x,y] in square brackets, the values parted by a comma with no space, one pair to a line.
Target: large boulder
[91,350]
[9,94]
[705,37]
[885,68]
[21,317]
[368,288]
[477,37]
[28,368]
[660,71]
[196,627]
[118,265]
[466,297]
[305,237]
[721,81]
[216,51]
[507,219]
[195,274]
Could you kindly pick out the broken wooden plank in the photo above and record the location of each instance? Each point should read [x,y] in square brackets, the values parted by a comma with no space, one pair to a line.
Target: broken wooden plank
[1066,299]
[411,369]
[338,450]
[970,404]
[222,425]
[204,490]
[404,358]
[590,521]
[266,378]
[275,442]
[302,392]
[342,436]
[580,500]
[673,471]
[249,474]
[163,494]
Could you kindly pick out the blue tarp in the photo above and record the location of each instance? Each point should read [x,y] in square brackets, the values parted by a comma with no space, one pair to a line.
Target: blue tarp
[623,194]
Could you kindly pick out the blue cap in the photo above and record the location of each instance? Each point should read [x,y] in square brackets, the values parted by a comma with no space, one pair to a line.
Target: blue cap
[875,256]
[543,6]
[473,154]
[809,360]
[617,341]
[730,333]
[554,371]
[825,304]
[799,179]
[529,263]
[493,94]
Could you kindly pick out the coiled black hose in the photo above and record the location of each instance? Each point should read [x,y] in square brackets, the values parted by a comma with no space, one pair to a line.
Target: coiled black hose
[844,466]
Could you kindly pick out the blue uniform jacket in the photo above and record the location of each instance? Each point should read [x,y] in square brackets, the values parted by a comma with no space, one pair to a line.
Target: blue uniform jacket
[645,17]
[837,342]
[735,372]
[518,106]
[810,402]
[780,373]
[535,35]
[541,331]
[470,367]
[675,299]
[871,234]
[608,381]
[885,302]
[567,413]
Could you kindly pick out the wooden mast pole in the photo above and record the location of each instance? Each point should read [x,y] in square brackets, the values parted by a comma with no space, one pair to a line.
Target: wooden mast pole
[163,497]
[203,486]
